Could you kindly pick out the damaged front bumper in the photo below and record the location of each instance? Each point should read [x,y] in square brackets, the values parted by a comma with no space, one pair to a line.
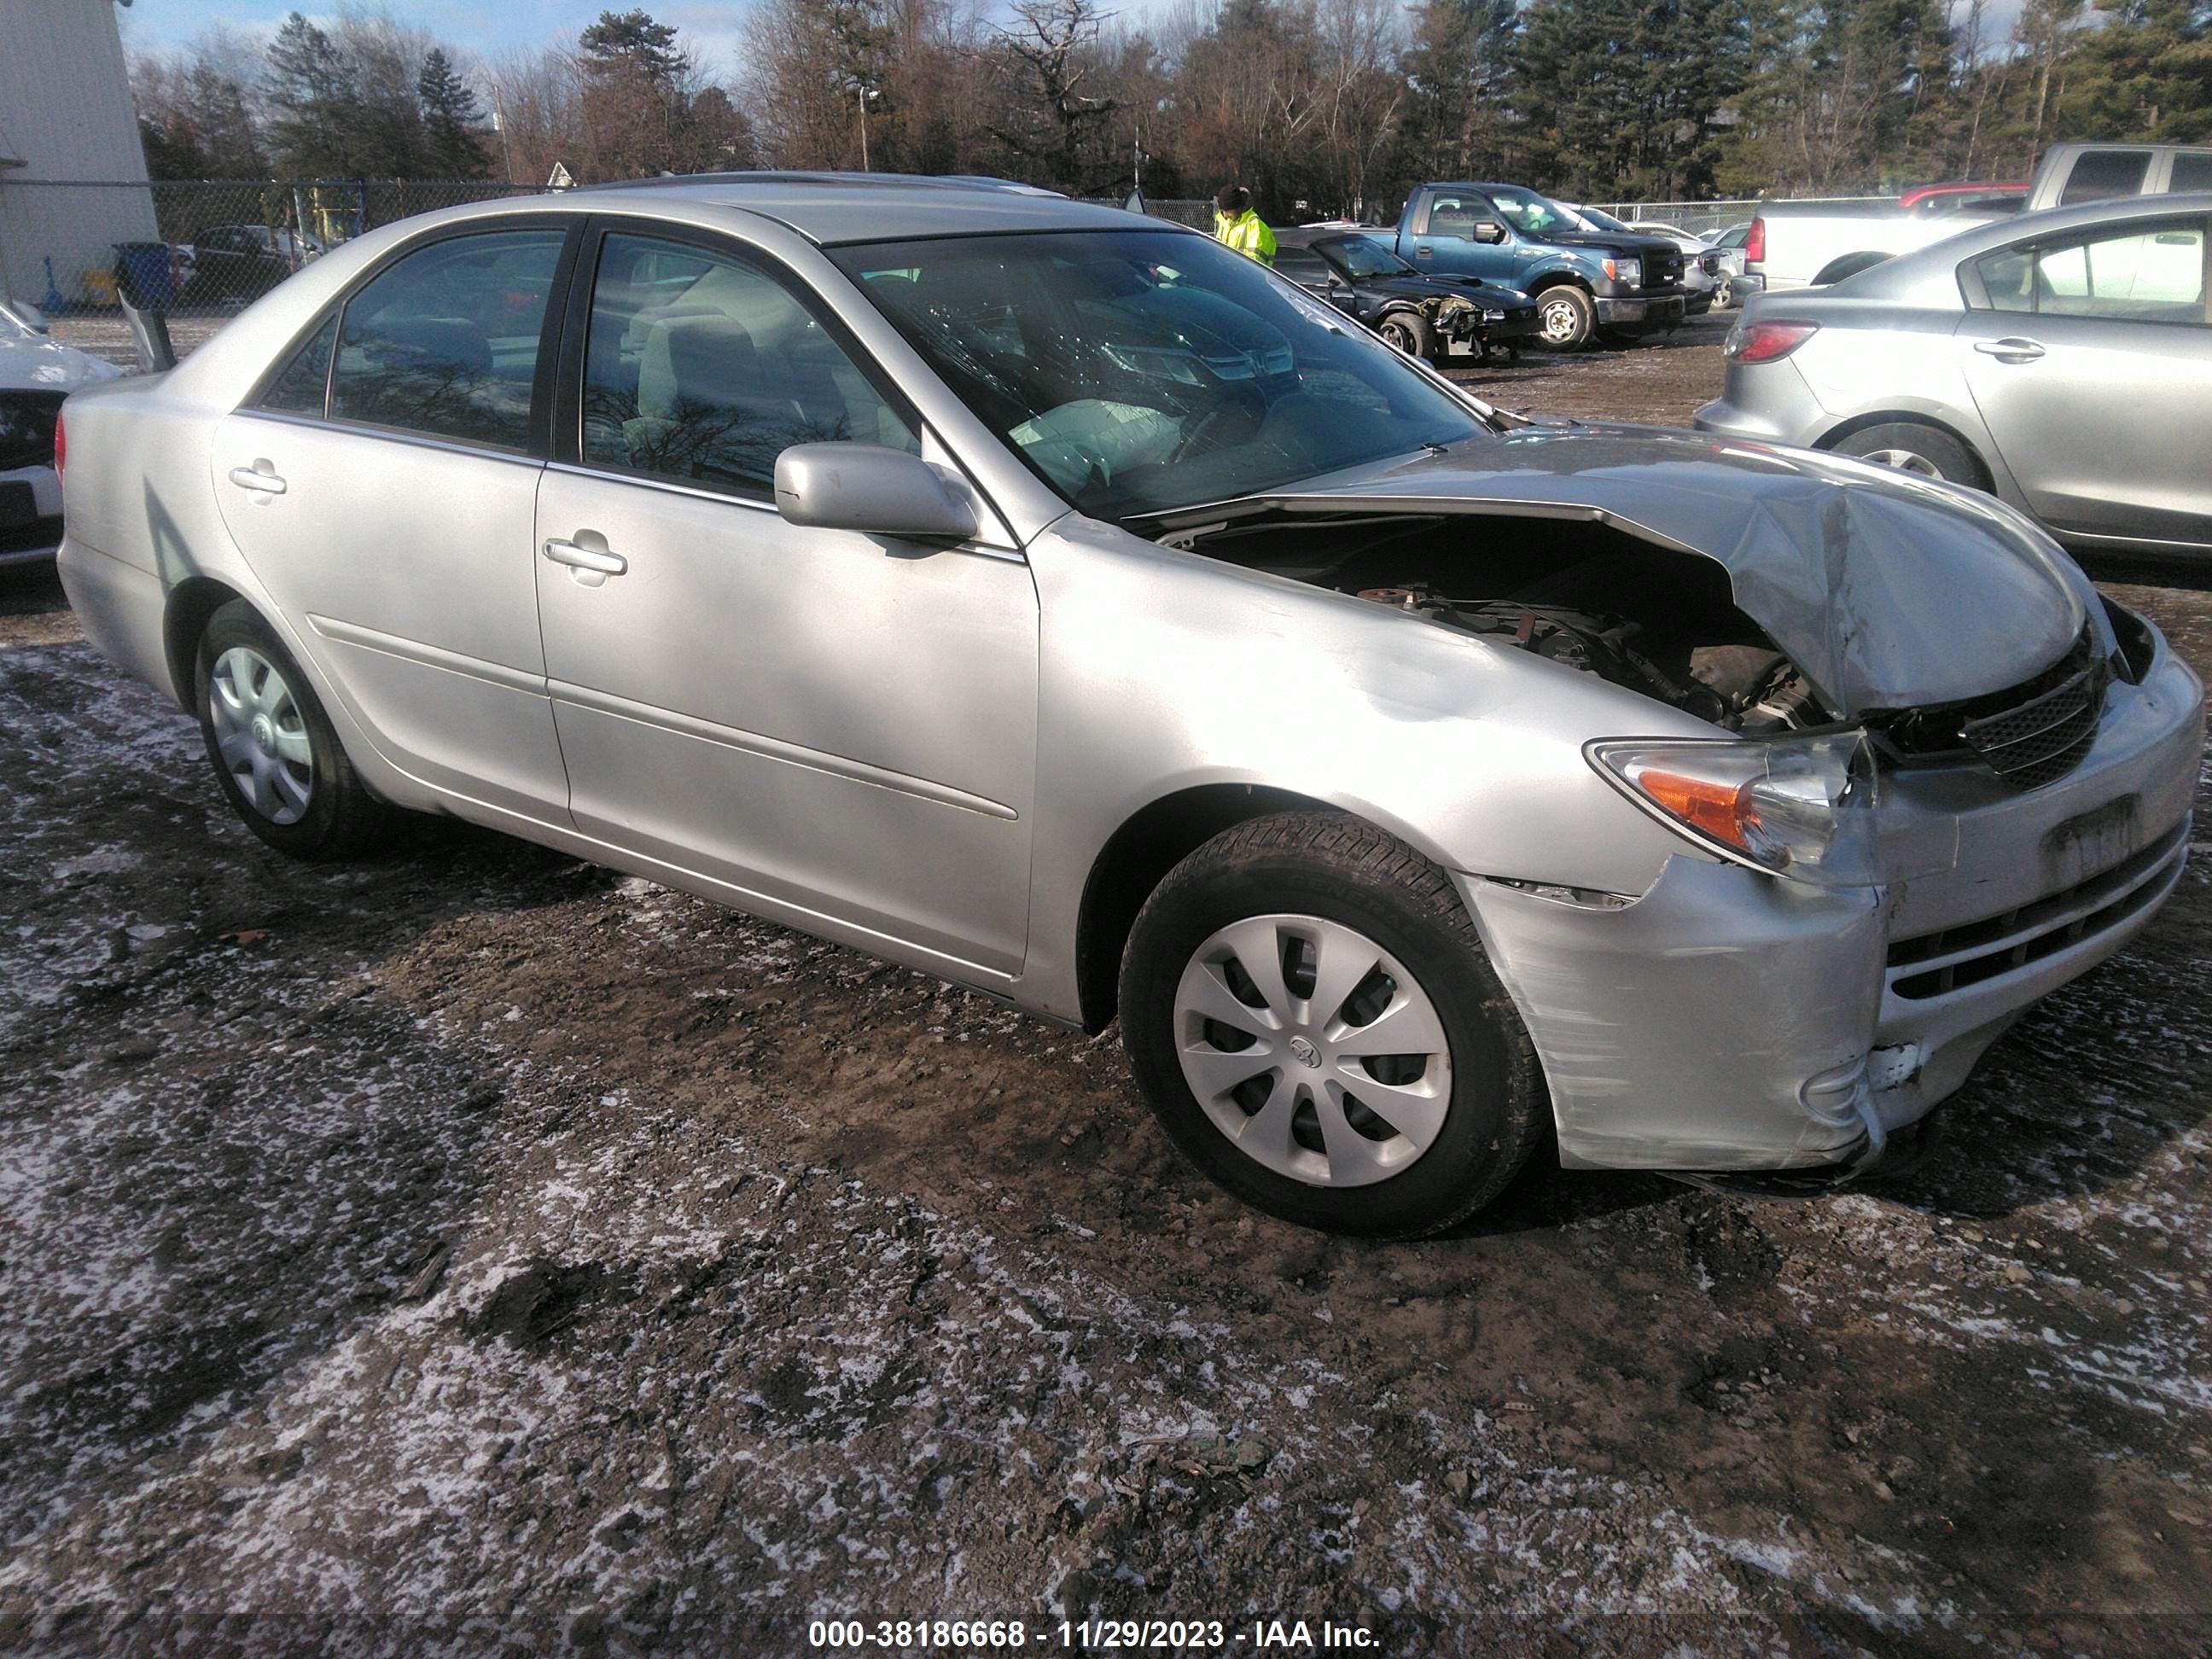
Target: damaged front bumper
[1728,1020]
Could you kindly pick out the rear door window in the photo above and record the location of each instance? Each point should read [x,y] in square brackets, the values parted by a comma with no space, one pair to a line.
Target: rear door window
[2192,170]
[445,342]
[2143,274]
[2101,173]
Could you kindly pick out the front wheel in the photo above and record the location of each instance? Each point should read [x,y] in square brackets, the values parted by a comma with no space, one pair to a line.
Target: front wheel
[1408,331]
[275,753]
[1311,1016]
[1565,318]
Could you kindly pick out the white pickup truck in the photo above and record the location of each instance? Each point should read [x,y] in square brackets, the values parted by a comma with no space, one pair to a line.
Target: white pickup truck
[1802,244]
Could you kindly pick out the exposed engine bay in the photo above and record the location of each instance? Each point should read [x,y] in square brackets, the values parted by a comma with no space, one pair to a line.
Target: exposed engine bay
[1660,623]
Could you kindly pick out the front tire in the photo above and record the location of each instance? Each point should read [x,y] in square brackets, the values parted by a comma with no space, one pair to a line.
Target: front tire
[275,755]
[1311,1014]
[1566,318]
[1913,446]
[1410,332]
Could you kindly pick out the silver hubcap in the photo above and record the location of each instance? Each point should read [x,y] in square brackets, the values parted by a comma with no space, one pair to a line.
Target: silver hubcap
[261,734]
[1904,460]
[1313,1050]
[1560,321]
[1398,336]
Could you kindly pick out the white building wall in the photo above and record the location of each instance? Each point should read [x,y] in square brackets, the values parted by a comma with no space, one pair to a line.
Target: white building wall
[66,113]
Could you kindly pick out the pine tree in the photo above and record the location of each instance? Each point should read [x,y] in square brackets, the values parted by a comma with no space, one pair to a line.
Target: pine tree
[1456,69]
[315,122]
[634,41]
[451,120]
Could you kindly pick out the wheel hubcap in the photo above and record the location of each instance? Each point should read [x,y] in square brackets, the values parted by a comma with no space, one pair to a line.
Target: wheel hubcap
[1398,335]
[1904,460]
[261,734]
[1560,322]
[1314,1050]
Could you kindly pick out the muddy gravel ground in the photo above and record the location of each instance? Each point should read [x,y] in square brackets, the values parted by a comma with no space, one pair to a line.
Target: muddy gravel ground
[471,1249]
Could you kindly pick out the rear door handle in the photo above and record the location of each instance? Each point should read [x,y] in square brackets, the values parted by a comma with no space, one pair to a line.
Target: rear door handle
[586,558]
[257,478]
[2010,350]
[1423,253]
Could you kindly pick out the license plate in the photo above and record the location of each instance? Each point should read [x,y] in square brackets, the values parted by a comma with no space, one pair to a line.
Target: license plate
[2094,843]
[18,506]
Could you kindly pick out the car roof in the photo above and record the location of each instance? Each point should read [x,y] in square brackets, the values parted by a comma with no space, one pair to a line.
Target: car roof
[834,208]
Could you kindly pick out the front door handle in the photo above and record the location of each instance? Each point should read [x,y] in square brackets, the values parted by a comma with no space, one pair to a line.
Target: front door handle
[1423,253]
[2010,350]
[586,558]
[258,479]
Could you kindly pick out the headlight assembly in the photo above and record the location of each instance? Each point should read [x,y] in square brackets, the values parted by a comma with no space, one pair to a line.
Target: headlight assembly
[1808,807]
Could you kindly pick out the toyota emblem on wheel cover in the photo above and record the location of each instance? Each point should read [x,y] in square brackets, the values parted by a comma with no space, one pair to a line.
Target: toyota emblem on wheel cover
[1306,1052]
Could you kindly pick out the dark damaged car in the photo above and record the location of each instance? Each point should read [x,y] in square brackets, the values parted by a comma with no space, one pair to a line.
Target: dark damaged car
[1066,607]
[1421,315]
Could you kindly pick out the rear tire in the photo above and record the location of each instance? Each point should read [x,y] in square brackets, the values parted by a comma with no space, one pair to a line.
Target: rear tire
[1913,446]
[1566,318]
[1308,1114]
[276,757]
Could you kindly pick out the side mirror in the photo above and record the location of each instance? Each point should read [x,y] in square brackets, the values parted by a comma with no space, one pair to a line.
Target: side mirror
[1489,230]
[869,489]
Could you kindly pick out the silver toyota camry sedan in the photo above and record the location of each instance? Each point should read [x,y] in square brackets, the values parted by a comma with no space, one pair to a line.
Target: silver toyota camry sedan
[1058,603]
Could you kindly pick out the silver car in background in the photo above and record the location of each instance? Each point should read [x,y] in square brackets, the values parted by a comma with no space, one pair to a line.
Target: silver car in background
[2061,361]
[1058,603]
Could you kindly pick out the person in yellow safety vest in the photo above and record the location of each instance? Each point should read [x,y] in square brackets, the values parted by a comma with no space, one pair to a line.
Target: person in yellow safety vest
[1234,225]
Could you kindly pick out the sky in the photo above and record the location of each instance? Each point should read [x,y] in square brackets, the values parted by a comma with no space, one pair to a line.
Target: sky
[712,31]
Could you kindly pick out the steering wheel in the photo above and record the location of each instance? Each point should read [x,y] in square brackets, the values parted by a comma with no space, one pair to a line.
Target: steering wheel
[1204,424]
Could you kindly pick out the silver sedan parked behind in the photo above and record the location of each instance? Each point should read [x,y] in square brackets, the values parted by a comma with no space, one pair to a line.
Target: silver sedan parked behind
[2062,360]
[1060,604]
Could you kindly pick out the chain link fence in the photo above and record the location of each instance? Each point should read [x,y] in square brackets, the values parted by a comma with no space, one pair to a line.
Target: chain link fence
[202,250]
[1698,218]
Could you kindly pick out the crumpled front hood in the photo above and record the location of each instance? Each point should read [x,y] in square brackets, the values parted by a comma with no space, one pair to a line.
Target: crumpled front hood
[1889,591]
[1425,288]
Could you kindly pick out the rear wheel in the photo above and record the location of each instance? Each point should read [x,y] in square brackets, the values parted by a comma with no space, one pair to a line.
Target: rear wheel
[1913,446]
[1312,1018]
[1565,318]
[1408,331]
[275,753]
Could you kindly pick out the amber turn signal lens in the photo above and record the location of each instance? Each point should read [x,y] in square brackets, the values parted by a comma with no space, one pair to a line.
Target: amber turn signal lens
[1717,810]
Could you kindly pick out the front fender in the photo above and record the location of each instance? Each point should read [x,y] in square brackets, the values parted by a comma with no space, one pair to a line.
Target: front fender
[1164,671]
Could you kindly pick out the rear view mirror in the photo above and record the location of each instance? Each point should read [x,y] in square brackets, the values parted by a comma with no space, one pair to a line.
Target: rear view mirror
[869,489]
[1489,230]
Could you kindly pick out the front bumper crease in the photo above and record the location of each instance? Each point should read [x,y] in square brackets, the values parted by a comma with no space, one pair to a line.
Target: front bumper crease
[1727,1020]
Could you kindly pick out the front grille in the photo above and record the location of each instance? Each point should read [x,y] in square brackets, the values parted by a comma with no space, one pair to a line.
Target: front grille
[26,428]
[1664,271]
[1974,951]
[2029,735]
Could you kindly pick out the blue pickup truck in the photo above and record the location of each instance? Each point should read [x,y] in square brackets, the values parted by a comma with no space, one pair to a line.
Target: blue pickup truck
[1586,283]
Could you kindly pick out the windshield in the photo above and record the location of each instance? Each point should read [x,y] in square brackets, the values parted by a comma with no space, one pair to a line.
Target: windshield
[1529,213]
[1363,257]
[1599,219]
[1138,372]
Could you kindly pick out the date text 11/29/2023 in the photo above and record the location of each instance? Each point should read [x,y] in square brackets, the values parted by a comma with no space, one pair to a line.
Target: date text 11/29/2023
[1086,1635]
